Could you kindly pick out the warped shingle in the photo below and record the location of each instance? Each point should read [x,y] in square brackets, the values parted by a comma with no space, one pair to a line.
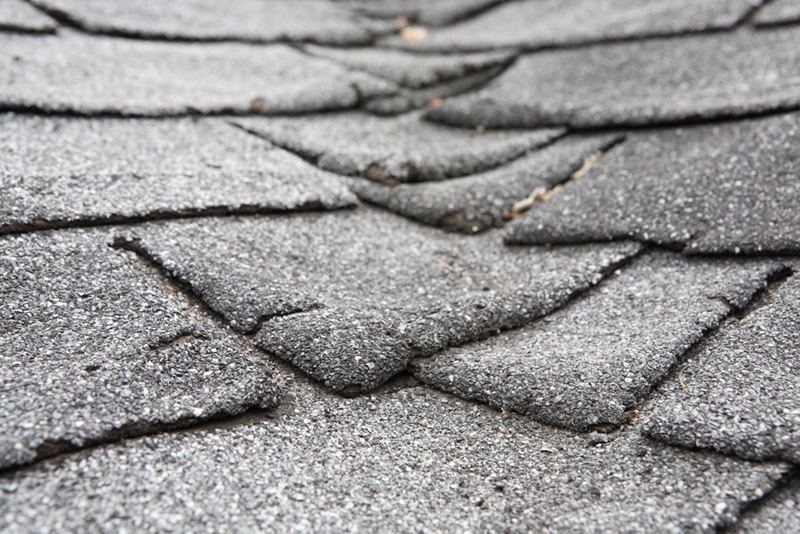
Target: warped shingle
[435,13]
[94,346]
[589,362]
[409,461]
[739,394]
[779,512]
[731,187]
[318,21]
[72,72]
[475,203]
[533,24]
[350,296]
[61,171]
[413,70]
[17,15]
[395,149]
[640,82]
[778,12]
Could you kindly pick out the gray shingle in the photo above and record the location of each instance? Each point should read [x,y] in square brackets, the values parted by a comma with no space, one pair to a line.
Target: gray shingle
[779,512]
[413,70]
[318,21]
[61,171]
[741,388]
[778,12]
[436,13]
[94,346]
[395,149]
[589,362]
[17,15]
[350,296]
[409,461]
[640,82]
[72,72]
[533,24]
[475,203]
[723,188]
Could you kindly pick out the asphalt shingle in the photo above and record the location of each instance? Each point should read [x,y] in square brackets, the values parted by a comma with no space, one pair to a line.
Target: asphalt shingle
[591,361]
[475,203]
[640,82]
[94,346]
[17,15]
[410,461]
[657,187]
[350,297]
[738,393]
[62,171]
[436,13]
[72,72]
[533,24]
[318,21]
[779,512]
[395,149]
[778,12]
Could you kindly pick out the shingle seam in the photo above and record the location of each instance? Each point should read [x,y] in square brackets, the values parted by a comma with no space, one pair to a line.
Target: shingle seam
[752,507]
[159,215]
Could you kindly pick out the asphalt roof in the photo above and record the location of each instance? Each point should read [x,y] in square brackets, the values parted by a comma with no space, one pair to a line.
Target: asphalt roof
[400,266]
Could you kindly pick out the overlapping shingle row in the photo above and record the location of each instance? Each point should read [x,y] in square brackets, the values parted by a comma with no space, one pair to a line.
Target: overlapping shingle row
[635,322]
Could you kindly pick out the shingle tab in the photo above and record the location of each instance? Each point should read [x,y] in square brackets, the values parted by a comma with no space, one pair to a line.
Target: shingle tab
[350,297]
[94,346]
[478,202]
[738,394]
[318,21]
[533,24]
[591,361]
[640,82]
[66,171]
[395,149]
[17,15]
[81,74]
[726,188]
[409,461]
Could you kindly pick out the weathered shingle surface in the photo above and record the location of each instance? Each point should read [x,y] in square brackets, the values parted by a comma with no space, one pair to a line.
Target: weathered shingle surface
[640,82]
[399,266]
[18,15]
[655,187]
[248,20]
[533,24]
[63,171]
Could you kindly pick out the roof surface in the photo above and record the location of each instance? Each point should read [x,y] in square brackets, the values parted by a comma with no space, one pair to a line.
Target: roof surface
[400,266]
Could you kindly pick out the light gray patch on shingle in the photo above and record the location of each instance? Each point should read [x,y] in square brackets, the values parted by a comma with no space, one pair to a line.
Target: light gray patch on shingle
[409,461]
[731,187]
[475,203]
[95,346]
[778,12]
[779,512]
[395,149]
[17,15]
[534,24]
[363,291]
[589,362]
[72,72]
[640,82]
[60,171]
[412,70]
[249,20]
[739,393]
[436,13]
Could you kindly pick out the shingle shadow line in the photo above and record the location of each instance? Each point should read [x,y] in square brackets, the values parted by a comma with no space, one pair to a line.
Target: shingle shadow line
[67,20]
[752,507]
[162,215]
